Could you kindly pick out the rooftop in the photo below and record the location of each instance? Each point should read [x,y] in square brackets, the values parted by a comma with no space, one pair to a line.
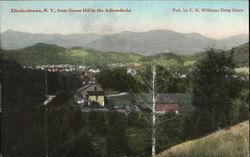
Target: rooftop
[167,107]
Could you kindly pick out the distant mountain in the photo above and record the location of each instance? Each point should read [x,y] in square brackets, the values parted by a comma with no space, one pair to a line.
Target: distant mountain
[147,43]
[152,42]
[16,40]
[234,41]
[159,41]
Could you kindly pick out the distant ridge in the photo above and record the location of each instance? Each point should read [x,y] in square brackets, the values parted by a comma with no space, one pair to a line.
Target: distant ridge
[147,43]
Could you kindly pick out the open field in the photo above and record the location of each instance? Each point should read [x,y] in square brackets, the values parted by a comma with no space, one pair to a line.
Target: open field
[232,142]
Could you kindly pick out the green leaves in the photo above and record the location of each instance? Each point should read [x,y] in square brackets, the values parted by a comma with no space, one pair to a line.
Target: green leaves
[215,86]
[117,79]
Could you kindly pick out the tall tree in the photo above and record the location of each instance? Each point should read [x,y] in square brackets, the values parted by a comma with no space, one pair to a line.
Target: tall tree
[214,91]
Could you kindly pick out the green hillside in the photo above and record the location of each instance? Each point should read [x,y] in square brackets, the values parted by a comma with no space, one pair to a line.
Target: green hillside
[241,55]
[52,54]
[232,142]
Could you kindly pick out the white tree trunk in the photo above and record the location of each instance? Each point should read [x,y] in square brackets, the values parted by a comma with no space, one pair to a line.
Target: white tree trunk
[153,113]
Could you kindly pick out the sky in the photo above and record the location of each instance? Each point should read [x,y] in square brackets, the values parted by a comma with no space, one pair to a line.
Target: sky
[144,16]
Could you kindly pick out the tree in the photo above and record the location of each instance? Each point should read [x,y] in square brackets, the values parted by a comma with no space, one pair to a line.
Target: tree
[116,79]
[21,93]
[167,83]
[117,144]
[213,80]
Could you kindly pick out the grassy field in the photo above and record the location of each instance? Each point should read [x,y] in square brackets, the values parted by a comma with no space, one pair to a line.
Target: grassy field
[232,142]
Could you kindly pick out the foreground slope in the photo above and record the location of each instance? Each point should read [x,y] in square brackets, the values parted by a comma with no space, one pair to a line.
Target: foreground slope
[232,142]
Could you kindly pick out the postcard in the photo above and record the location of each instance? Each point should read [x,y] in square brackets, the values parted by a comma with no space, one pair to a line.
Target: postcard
[124,78]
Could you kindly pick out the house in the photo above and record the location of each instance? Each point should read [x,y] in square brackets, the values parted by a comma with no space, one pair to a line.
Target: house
[86,77]
[94,70]
[167,103]
[95,98]
[90,94]
[167,98]
[167,108]
[183,102]
[131,71]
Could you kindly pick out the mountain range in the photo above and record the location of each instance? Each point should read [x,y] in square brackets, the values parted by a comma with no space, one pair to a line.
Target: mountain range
[146,43]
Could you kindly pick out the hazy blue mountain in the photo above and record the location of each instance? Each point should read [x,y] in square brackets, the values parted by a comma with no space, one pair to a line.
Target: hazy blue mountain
[147,43]
[152,42]
[15,40]
[233,41]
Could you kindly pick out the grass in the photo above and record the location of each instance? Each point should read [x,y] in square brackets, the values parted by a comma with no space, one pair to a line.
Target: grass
[111,92]
[188,63]
[79,53]
[120,100]
[243,70]
[233,142]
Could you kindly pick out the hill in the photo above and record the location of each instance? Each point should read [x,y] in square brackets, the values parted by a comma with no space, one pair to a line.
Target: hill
[231,142]
[237,40]
[147,43]
[41,53]
[241,55]
[53,54]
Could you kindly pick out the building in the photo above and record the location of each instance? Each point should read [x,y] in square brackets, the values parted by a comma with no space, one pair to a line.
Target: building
[131,71]
[90,94]
[167,108]
[86,77]
[95,98]
[174,103]
[167,103]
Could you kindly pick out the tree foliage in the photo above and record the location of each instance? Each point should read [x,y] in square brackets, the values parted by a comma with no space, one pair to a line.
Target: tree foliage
[214,88]
[117,79]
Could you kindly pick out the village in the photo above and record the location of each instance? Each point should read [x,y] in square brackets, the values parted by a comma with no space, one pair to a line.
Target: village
[91,96]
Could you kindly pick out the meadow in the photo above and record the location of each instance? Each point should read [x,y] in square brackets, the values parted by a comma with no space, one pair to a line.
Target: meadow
[231,142]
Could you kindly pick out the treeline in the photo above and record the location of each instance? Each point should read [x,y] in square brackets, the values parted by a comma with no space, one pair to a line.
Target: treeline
[71,132]
[119,79]
[23,93]
[109,134]
[96,134]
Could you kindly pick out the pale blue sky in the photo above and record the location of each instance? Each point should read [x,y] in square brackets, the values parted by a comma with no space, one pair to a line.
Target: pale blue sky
[144,16]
